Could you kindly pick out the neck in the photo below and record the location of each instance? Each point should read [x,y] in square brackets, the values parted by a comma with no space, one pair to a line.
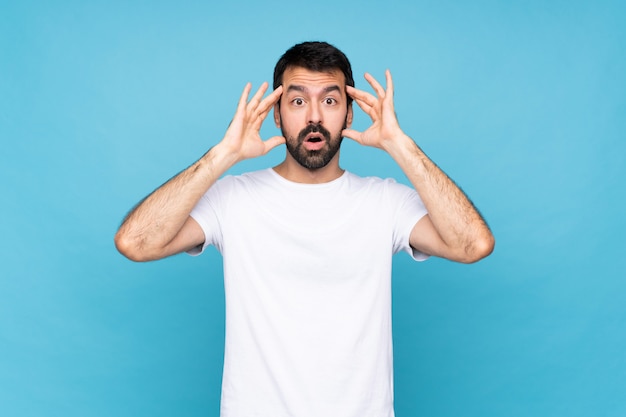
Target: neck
[293,171]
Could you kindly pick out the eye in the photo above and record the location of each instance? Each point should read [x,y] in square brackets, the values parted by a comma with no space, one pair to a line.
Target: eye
[297,101]
[330,101]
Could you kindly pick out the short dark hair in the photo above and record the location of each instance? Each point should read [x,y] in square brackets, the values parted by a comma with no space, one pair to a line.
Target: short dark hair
[314,56]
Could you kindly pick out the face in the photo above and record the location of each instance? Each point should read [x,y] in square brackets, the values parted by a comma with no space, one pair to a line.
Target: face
[312,113]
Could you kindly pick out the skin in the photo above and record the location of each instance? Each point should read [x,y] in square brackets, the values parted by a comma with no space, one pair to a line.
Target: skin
[453,228]
[309,98]
[160,225]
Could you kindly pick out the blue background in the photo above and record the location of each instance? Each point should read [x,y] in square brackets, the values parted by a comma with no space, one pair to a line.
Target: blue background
[523,103]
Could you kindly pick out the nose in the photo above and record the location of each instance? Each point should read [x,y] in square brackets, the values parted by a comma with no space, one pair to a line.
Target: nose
[315,114]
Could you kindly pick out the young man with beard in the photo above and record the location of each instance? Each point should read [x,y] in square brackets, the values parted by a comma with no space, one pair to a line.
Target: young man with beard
[307,246]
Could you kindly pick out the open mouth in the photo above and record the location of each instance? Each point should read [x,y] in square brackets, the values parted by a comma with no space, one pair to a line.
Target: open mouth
[314,141]
[314,138]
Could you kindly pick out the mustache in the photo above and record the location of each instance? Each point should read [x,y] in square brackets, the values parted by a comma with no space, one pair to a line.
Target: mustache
[313,128]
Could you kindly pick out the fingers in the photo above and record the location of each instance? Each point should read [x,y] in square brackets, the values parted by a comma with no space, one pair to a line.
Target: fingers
[370,110]
[374,106]
[256,102]
[243,100]
[258,109]
[255,110]
[389,82]
[365,100]
[256,99]
[268,102]
[380,91]
[360,95]
[379,107]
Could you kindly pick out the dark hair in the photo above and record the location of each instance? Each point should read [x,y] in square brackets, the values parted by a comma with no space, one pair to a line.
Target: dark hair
[314,56]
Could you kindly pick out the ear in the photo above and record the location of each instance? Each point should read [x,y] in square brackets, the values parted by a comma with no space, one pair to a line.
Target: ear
[349,116]
[277,115]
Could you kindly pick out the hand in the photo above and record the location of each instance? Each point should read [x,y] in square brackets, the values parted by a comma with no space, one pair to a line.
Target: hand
[385,128]
[242,139]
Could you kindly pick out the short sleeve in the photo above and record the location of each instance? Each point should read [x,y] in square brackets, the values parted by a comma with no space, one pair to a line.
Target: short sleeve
[408,210]
[207,213]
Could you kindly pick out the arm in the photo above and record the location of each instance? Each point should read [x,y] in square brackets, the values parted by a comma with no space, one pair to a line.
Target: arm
[160,225]
[453,228]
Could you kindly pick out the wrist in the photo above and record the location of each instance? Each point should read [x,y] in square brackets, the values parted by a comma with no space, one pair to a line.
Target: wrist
[219,158]
[400,145]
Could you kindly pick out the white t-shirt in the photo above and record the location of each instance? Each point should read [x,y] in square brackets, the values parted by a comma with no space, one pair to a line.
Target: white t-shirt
[307,274]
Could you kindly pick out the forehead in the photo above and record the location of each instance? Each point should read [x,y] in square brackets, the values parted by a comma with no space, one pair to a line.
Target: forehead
[311,79]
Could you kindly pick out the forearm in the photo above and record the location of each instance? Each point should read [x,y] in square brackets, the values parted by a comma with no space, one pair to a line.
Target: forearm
[156,221]
[159,226]
[453,229]
[459,224]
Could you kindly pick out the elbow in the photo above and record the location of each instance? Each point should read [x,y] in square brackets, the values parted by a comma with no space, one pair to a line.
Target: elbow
[128,248]
[481,248]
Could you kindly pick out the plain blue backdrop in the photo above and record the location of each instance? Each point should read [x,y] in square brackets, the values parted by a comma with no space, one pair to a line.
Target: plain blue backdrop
[522,103]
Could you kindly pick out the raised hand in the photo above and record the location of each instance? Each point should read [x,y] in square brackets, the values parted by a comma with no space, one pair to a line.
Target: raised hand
[242,139]
[385,128]
[160,225]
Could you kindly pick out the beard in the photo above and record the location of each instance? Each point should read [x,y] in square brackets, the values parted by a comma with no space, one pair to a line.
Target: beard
[313,159]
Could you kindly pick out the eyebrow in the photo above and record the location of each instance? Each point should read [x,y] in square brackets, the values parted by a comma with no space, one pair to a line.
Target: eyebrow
[303,89]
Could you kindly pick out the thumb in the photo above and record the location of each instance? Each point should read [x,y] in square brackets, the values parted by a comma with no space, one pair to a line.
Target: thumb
[355,135]
[273,142]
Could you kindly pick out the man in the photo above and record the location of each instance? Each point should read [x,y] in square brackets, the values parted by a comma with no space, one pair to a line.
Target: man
[307,246]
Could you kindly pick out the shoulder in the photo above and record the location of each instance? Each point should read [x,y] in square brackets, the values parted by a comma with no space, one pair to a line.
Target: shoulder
[386,191]
[375,183]
[254,184]
[246,179]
